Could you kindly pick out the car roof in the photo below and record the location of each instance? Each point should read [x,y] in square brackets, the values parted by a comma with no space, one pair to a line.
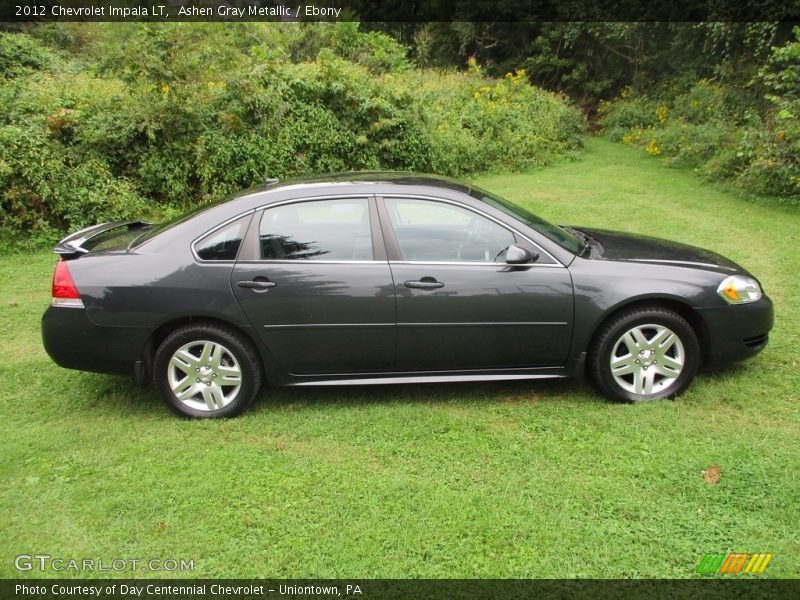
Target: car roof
[365,178]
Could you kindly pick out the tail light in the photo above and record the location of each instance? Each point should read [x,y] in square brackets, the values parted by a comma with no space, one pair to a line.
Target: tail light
[64,291]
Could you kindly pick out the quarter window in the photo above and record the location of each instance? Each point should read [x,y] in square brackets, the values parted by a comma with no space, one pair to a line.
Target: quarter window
[222,244]
[437,231]
[317,230]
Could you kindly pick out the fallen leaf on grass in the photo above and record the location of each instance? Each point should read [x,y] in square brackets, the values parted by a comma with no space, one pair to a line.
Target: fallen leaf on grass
[712,474]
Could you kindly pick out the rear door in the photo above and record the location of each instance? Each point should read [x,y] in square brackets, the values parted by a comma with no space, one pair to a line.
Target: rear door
[317,286]
[459,305]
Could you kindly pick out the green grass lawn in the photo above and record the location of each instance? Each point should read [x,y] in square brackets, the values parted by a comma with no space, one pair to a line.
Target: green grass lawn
[493,480]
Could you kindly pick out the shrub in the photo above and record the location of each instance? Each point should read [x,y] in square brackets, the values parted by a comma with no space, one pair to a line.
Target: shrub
[505,124]
[20,53]
[44,192]
[627,115]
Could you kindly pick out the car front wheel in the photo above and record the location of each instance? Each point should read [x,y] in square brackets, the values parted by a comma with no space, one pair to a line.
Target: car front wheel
[645,354]
[207,371]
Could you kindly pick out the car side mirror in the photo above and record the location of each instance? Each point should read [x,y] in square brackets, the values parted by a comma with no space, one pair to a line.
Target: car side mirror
[517,255]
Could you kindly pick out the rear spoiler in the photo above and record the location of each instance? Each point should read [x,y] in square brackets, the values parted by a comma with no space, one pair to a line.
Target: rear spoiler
[72,245]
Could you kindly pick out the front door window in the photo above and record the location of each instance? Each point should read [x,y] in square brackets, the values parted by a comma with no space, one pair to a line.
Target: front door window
[426,230]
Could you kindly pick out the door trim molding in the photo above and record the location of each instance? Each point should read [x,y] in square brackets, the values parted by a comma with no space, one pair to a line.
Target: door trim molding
[484,324]
[330,325]
[443,324]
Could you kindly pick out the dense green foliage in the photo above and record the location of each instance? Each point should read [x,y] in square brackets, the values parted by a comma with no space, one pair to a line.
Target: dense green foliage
[108,121]
[721,97]
[707,126]
[595,61]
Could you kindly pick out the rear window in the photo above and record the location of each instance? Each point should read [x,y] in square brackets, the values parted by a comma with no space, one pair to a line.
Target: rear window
[158,228]
[114,240]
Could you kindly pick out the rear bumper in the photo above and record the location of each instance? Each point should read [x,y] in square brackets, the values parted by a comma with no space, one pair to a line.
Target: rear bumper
[74,342]
[736,332]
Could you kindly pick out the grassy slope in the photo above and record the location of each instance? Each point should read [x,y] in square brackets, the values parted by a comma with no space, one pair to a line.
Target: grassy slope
[495,480]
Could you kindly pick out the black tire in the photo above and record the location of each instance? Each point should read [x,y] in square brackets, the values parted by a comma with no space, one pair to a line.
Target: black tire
[237,352]
[609,339]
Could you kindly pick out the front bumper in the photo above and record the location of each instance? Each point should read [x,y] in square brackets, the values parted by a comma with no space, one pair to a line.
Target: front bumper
[74,342]
[736,332]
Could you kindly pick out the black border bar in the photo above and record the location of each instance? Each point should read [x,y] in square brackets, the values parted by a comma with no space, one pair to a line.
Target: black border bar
[410,11]
[390,589]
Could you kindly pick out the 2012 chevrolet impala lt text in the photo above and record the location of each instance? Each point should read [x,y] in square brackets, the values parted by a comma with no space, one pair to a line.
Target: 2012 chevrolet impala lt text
[370,278]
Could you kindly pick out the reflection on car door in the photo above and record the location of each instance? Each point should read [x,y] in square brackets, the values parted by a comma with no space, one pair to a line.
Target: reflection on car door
[320,290]
[459,306]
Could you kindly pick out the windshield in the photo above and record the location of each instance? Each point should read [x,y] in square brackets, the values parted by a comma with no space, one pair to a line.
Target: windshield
[552,232]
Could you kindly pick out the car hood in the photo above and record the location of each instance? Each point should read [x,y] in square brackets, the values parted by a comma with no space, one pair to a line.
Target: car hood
[616,245]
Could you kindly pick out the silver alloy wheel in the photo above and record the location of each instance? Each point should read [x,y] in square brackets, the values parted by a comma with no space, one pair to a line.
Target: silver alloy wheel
[647,359]
[204,375]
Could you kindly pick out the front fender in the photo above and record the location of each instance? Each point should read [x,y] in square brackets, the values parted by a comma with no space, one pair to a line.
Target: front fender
[603,287]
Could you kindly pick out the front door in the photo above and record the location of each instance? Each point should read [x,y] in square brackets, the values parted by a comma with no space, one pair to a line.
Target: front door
[459,305]
[320,292]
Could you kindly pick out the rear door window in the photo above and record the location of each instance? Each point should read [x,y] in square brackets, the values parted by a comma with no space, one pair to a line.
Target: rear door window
[336,229]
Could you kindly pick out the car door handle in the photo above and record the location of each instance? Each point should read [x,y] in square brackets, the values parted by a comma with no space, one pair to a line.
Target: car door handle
[256,284]
[426,283]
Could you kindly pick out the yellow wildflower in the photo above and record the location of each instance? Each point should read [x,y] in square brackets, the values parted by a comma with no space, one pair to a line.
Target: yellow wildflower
[653,149]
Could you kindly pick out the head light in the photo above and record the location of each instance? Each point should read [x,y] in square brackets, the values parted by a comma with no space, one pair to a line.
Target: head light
[738,289]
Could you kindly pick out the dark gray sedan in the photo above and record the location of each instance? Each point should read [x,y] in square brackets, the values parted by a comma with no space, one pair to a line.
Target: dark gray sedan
[388,278]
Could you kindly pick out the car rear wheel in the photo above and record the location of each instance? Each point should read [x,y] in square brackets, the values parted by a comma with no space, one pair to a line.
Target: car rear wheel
[207,371]
[645,354]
